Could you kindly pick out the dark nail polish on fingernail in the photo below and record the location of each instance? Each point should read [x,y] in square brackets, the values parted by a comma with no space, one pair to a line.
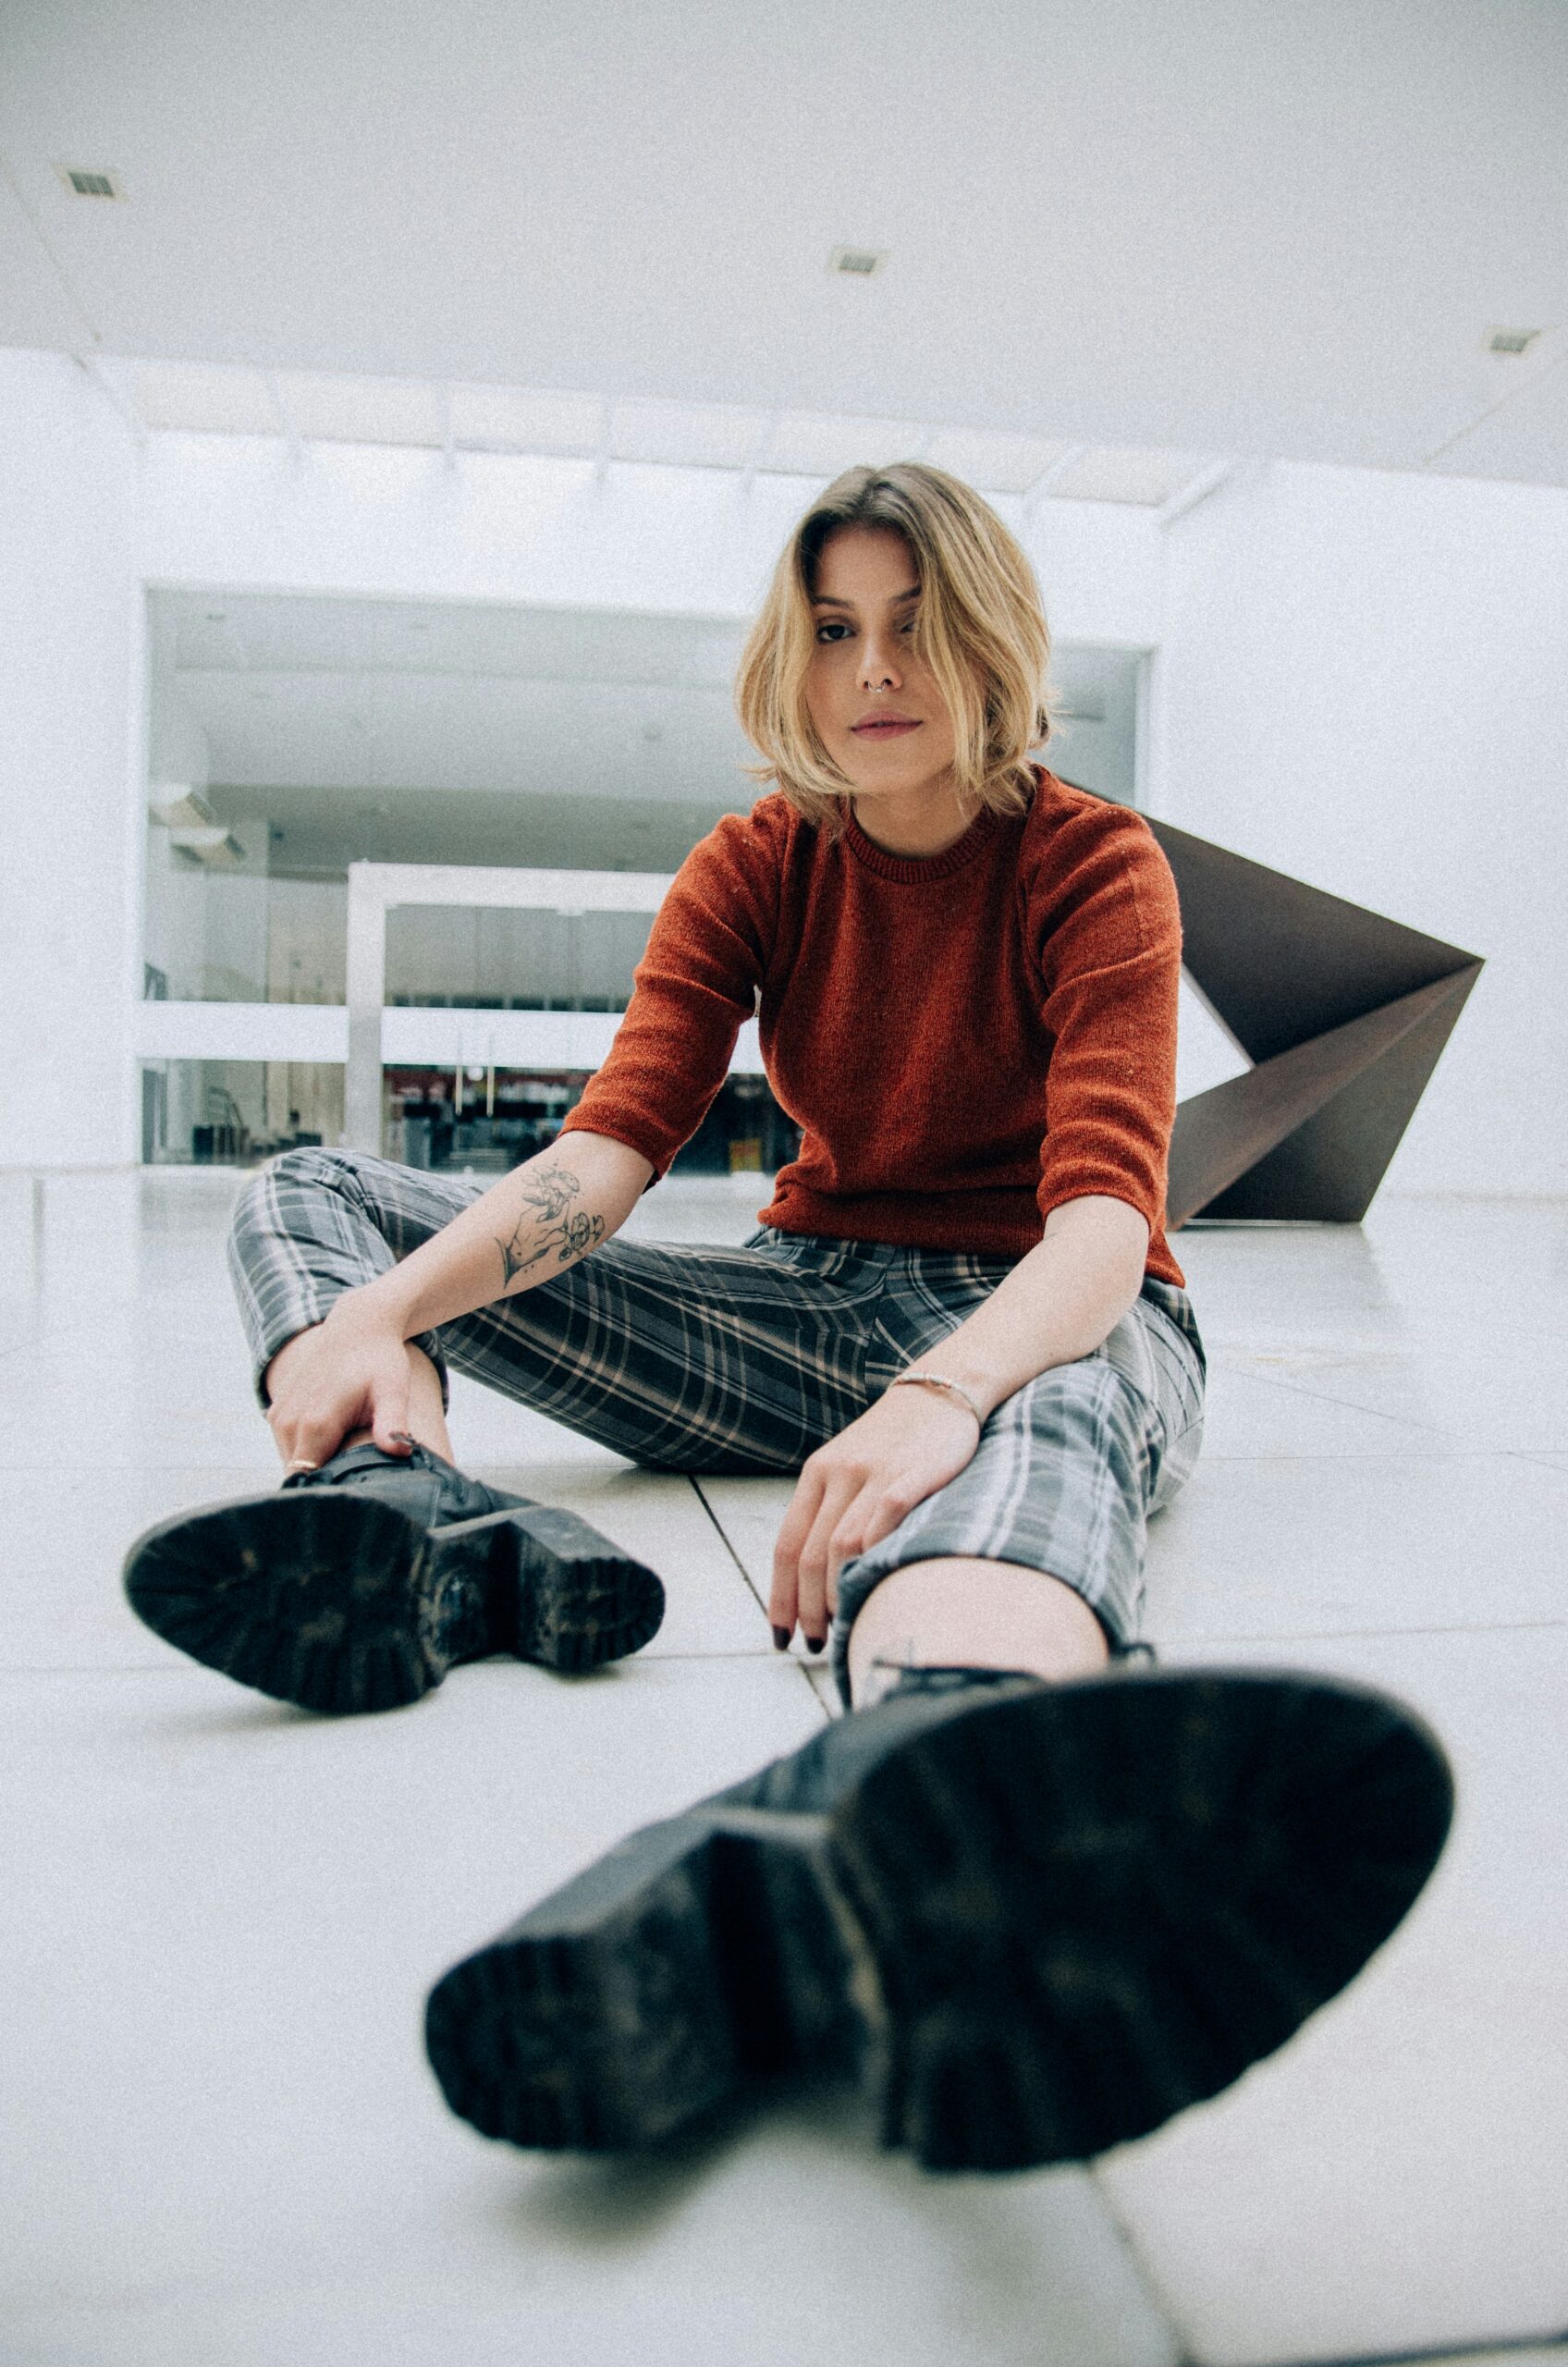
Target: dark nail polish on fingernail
[781,1640]
[815,1643]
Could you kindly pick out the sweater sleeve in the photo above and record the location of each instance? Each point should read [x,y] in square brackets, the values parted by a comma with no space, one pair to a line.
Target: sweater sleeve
[1109,952]
[697,982]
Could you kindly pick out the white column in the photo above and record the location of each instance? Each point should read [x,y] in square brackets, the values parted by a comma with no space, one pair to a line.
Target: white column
[72,695]
[365,970]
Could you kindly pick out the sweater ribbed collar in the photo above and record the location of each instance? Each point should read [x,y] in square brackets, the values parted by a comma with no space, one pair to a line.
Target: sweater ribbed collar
[916,867]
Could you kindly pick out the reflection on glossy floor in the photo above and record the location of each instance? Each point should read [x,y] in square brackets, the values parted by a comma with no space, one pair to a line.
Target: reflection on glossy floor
[219,2143]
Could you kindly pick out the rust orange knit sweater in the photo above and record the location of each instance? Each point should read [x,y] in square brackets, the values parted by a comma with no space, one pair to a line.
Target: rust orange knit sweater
[966,1040]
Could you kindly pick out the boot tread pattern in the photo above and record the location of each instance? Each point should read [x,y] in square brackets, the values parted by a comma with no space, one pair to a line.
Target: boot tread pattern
[341,1602]
[1034,1930]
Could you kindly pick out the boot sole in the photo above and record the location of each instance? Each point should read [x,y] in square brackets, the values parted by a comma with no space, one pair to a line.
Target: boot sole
[1034,1932]
[337,1603]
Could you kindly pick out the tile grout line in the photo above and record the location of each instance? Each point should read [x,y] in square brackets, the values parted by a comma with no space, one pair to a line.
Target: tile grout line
[1443,1440]
[1364,1634]
[1183,2354]
[804,1670]
[1204,1643]
[1372,1413]
[1437,2354]
[1322,1396]
[1444,1449]
[752,1657]
[696,1487]
[1444,1453]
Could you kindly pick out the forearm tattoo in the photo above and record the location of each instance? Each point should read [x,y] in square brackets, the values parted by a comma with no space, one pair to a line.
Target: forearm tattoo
[548,1225]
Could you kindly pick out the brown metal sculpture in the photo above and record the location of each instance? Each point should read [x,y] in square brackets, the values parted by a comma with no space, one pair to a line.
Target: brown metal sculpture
[1343,1015]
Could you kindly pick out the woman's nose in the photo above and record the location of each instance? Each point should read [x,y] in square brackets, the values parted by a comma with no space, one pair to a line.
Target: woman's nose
[880,664]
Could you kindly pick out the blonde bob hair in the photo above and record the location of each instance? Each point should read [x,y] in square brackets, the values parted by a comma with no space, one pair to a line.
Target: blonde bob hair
[979,629]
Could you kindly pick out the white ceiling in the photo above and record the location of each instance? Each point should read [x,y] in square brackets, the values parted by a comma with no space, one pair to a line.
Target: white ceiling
[745,439]
[1201,226]
[317,833]
[361,695]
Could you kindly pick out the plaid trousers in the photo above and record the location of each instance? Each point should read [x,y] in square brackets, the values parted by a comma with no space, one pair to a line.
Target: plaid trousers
[690,1357]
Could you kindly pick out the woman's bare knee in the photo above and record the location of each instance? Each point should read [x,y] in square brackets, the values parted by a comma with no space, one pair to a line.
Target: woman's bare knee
[963,1612]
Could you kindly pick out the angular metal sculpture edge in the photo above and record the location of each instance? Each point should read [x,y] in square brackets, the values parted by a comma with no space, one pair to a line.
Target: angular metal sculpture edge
[1344,1014]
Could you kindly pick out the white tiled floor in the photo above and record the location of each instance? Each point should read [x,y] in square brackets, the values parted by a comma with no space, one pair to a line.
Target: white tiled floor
[219,2145]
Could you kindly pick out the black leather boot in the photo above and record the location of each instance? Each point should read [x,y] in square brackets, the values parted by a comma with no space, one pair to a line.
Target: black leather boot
[1029,1920]
[357,1587]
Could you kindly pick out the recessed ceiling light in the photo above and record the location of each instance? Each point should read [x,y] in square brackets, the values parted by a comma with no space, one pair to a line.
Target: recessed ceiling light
[1511,340]
[88,181]
[861,263]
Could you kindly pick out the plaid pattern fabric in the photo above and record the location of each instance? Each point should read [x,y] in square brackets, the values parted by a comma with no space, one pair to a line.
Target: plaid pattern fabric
[687,1358]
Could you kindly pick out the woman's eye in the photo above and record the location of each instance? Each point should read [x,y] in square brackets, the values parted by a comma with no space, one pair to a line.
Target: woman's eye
[835,626]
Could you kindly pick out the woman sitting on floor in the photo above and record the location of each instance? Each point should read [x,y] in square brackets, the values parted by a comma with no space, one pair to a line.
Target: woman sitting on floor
[1032,1894]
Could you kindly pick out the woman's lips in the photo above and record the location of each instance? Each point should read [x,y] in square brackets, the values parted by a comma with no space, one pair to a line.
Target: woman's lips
[882,730]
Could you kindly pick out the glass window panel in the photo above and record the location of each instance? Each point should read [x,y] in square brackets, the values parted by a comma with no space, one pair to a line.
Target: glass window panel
[493,959]
[235,1113]
[482,1122]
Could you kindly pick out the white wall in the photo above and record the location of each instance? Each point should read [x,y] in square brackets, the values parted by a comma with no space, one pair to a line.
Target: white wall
[71,767]
[1363,680]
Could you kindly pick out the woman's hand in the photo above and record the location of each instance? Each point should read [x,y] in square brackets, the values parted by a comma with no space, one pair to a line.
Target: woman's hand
[854,1492]
[349,1373]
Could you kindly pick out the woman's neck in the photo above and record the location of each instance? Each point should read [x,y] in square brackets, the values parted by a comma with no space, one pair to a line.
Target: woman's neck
[916,822]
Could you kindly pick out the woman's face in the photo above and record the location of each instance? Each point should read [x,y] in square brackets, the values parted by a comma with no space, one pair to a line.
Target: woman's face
[864,668]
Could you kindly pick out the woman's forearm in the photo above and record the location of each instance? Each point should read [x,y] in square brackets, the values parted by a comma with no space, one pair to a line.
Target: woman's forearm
[542,1218]
[1060,1302]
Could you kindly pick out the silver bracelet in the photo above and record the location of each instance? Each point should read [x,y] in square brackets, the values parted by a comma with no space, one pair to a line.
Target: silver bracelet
[936,1381]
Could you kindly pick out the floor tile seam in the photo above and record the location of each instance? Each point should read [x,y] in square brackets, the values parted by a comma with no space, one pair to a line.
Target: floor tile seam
[751,1588]
[1365,1635]
[1327,1397]
[147,1668]
[764,1655]
[1160,2302]
[804,1669]
[1446,1446]
[100,1464]
[16,1673]
[1440,2354]
[1281,1366]
[193,2291]
[1400,1194]
[1431,1348]
[1439,1453]
[1444,1451]
[761,1653]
